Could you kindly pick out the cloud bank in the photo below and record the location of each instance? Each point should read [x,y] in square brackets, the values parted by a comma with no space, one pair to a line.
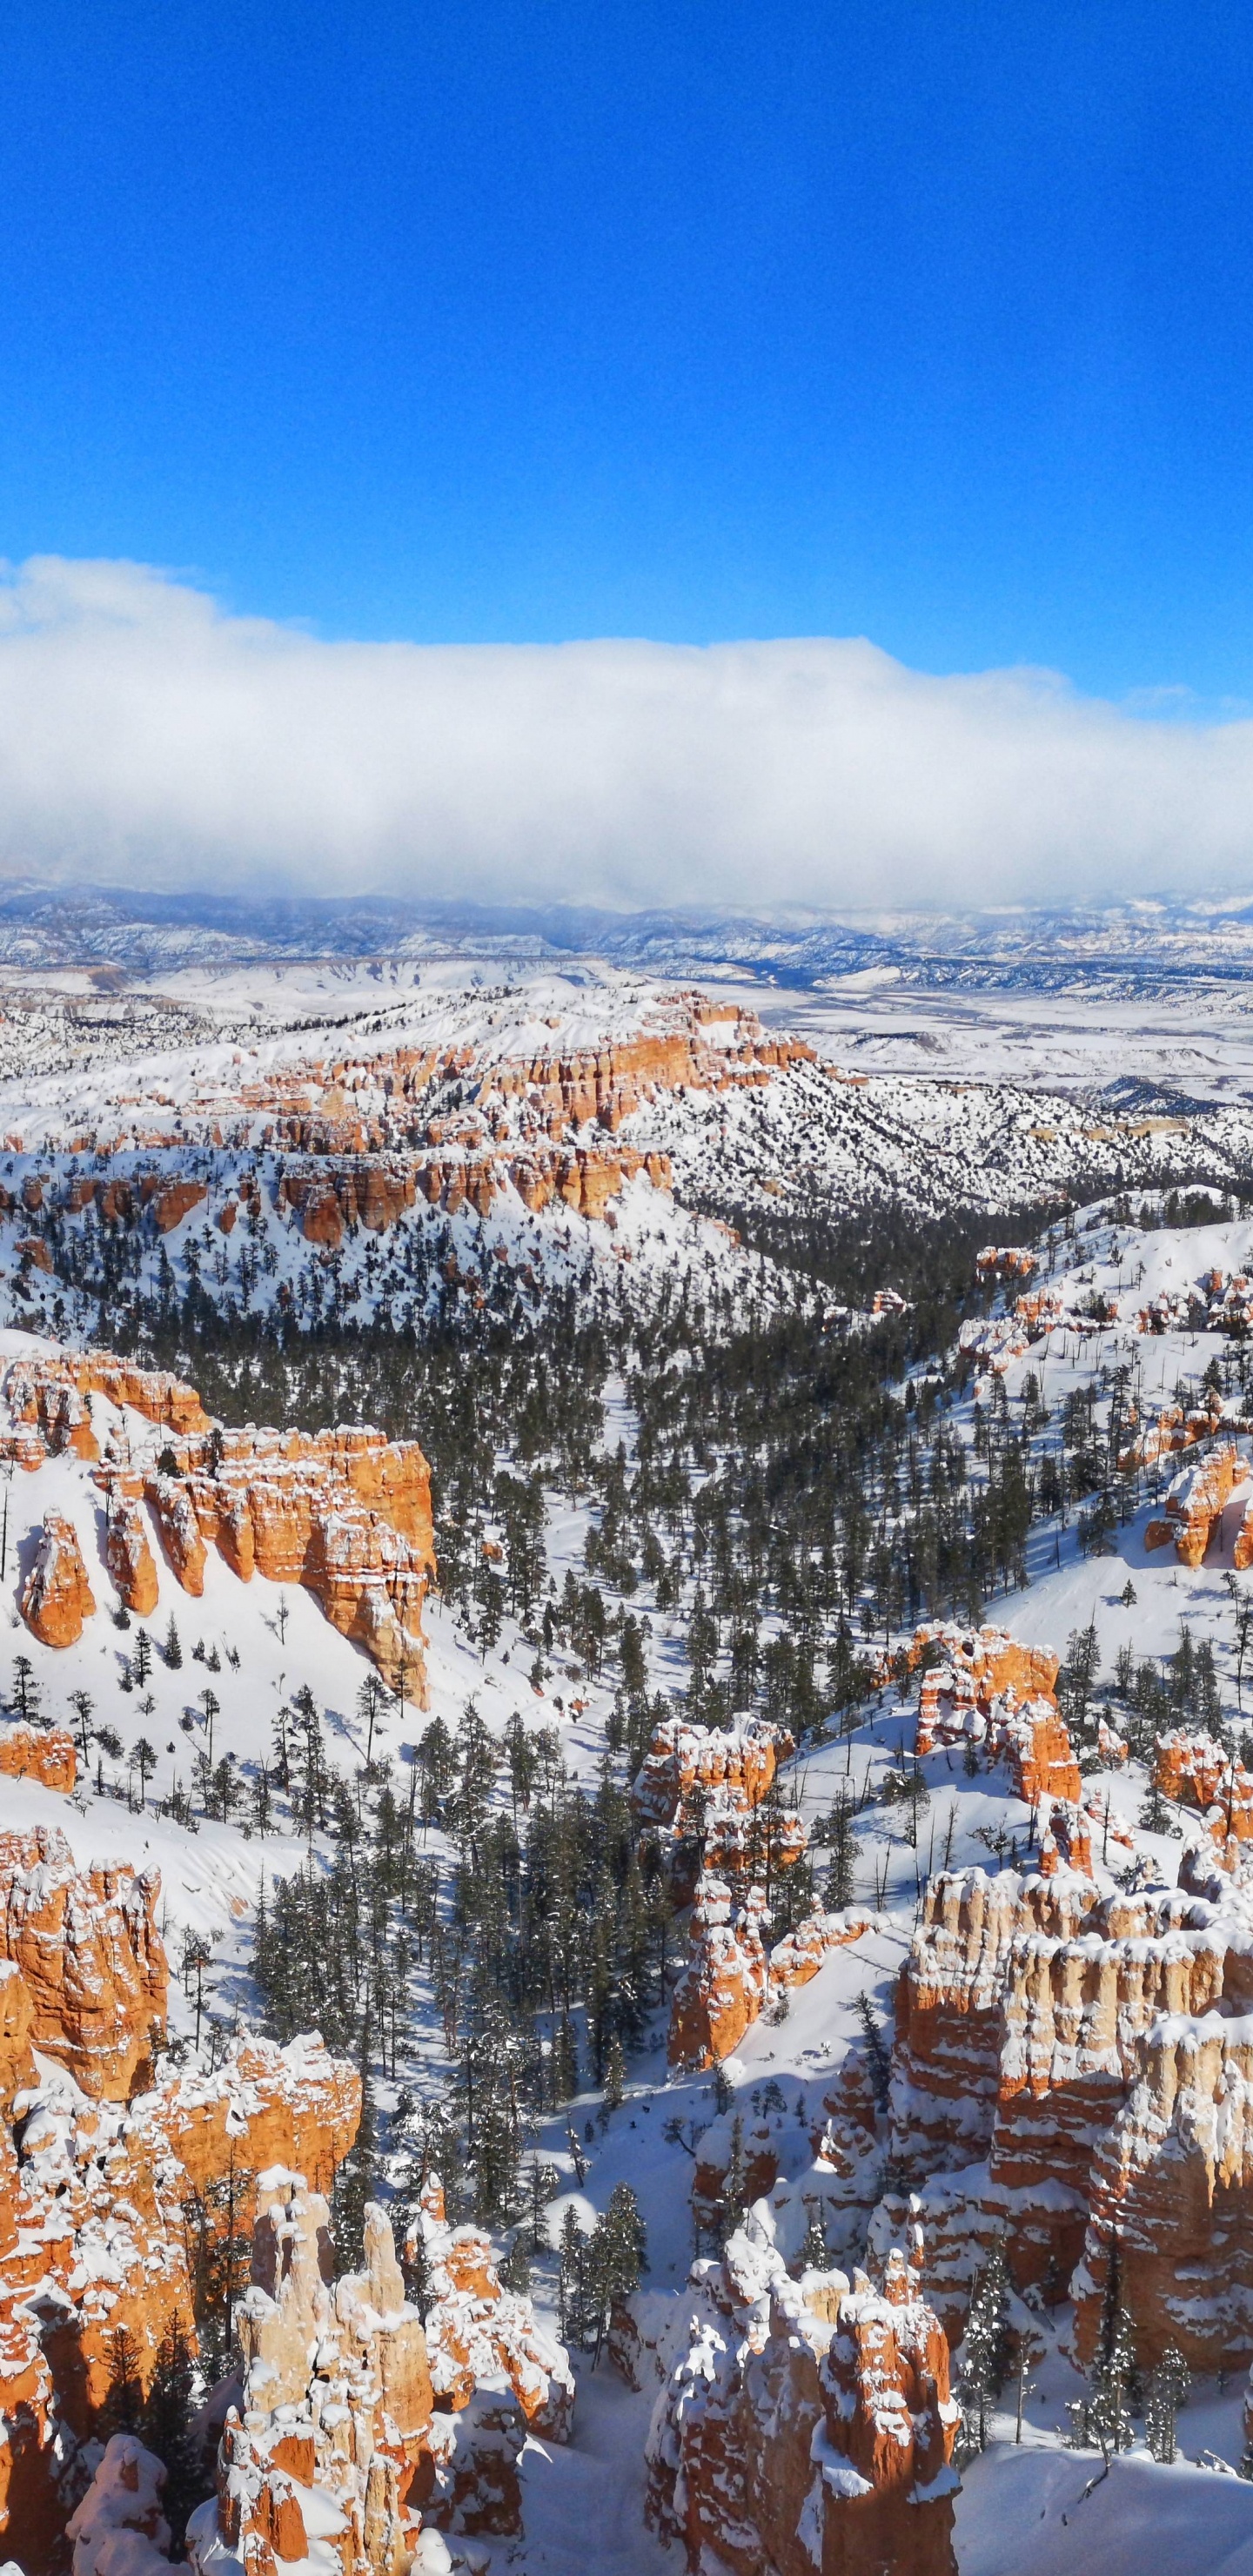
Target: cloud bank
[149,738]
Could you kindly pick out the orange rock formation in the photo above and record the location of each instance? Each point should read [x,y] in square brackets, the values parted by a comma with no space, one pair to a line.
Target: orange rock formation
[1195,1505]
[804,2425]
[88,1951]
[44,1753]
[726,1980]
[1065,2064]
[344,1513]
[56,1596]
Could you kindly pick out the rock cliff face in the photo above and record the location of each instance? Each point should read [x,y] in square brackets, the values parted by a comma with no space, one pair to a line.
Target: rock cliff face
[297,2106]
[1172,2179]
[996,1695]
[356,2426]
[345,1514]
[336,2403]
[481,2337]
[1195,1505]
[43,1753]
[688,1768]
[89,1954]
[804,2425]
[56,1596]
[991,1659]
[98,2209]
[1068,2066]
[726,1980]
[1199,1773]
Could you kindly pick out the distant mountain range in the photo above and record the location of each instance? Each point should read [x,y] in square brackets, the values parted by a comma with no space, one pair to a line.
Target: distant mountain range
[1134,947]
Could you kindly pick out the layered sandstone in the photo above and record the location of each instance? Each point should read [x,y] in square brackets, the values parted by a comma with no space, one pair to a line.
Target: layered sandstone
[1054,2079]
[56,1596]
[335,2408]
[992,1659]
[43,1753]
[1172,2181]
[1198,1772]
[1195,1504]
[1030,1736]
[99,2219]
[129,1557]
[801,1952]
[36,1390]
[88,1950]
[726,1979]
[346,1514]
[100,2233]
[481,2337]
[803,2425]
[357,2425]
[265,2105]
[688,1767]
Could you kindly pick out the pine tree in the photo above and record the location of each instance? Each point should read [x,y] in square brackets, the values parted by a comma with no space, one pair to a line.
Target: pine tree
[844,1847]
[1167,2392]
[173,1646]
[615,2256]
[571,2278]
[814,2256]
[984,2357]
[1103,2417]
[25,1689]
[615,2075]
[124,2399]
[355,2180]
[733,2197]
[515,2269]
[166,2426]
[879,2063]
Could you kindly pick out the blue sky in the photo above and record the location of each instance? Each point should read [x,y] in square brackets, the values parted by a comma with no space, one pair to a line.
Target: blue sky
[511,322]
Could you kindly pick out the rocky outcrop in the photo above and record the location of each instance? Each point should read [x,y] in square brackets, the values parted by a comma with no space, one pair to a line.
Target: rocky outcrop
[1198,1772]
[98,2222]
[56,1596]
[17,2020]
[1069,2066]
[356,2425]
[1172,2182]
[1195,1504]
[995,1695]
[129,1557]
[43,1753]
[119,2528]
[100,2235]
[726,1979]
[1006,1261]
[1030,1736]
[173,1200]
[89,1953]
[481,2337]
[992,1660]
[803,2425]
[295,2106]
[36,1389]
[336,2405]
[345,1514]
[688,1767]
[801,1952]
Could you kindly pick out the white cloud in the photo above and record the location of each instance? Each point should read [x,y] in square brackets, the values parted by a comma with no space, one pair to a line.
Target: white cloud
[147,737]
